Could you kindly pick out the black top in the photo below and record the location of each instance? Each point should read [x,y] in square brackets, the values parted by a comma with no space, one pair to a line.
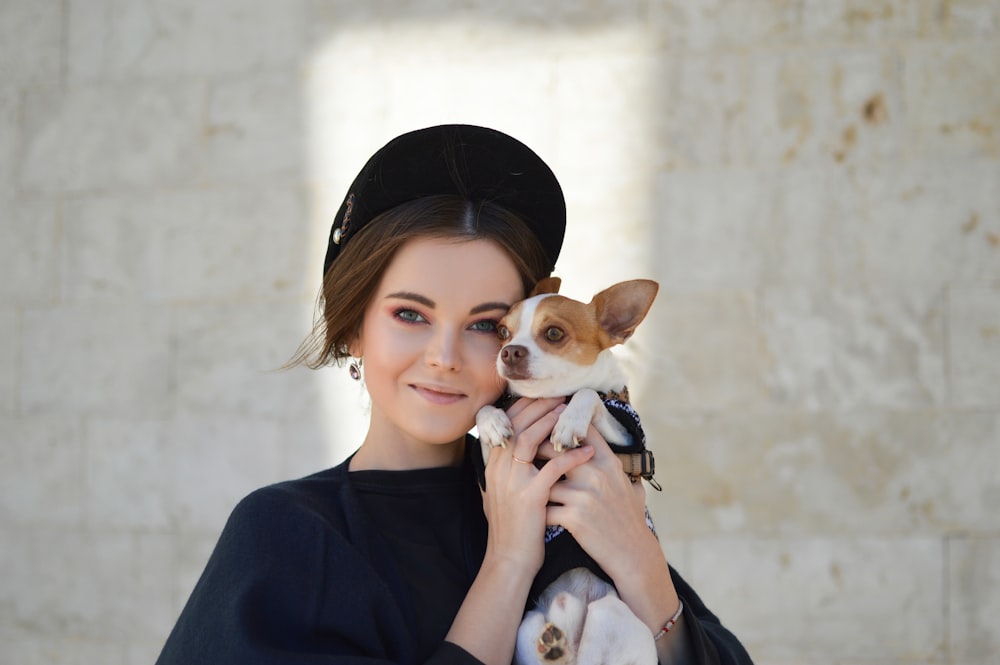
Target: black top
[425,521]
[363,567]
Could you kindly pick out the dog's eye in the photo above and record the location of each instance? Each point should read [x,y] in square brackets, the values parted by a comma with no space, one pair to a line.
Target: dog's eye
[503,332]
[554,334]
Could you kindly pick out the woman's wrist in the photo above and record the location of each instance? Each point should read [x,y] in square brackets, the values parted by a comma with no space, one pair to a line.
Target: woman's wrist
[496,598]
[671,622]
[516,571]
[645,585]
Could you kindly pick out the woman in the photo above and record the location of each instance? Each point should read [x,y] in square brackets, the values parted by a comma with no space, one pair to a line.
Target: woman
[395,555]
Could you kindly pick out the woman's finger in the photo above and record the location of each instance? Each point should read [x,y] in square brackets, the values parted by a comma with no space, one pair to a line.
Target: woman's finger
[523,403]
[526,411]
[527,441]
[563,463]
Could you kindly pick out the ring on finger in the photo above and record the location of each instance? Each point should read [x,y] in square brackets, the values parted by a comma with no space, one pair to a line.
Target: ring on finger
[521,461]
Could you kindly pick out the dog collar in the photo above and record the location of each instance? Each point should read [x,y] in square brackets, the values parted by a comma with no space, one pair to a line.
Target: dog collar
[617,395]
[640,465]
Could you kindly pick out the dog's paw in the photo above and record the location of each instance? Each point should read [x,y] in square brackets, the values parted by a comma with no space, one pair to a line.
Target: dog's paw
[494,427]
[553,646]
[569,430]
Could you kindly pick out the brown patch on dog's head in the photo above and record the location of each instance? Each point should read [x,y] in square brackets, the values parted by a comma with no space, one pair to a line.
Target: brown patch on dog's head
[547,285]
[579,332]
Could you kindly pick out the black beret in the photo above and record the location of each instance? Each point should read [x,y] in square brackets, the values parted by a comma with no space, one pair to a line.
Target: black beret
[475,163]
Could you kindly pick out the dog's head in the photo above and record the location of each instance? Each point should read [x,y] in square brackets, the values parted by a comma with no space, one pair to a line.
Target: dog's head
[554,345]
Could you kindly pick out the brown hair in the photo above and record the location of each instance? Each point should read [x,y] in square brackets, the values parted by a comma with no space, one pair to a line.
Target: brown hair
[352,279]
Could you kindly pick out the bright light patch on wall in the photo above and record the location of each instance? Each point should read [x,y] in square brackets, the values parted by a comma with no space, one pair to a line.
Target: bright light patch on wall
[582,101]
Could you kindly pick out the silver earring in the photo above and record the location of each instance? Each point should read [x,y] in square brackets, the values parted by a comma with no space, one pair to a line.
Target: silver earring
[355,369]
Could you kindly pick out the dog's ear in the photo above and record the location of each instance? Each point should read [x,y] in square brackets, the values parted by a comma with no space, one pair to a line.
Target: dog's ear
[622,307]
[547,285]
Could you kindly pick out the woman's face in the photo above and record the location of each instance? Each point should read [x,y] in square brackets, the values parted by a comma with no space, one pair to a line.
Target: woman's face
[429,345]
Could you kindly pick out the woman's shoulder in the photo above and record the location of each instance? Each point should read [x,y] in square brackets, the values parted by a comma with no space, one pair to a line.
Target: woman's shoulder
[322,497]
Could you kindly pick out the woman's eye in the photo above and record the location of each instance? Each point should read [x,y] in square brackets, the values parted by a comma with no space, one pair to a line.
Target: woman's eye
[409,315]
[554,334]
[503,333]
[486,326]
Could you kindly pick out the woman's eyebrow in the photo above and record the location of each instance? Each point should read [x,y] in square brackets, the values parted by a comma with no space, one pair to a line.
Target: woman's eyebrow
[489,307]
[427,302]
[415,297]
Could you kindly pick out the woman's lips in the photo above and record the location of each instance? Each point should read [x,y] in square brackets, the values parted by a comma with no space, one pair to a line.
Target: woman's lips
[437,395]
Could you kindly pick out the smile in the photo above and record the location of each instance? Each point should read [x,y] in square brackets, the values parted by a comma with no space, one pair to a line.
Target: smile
[437,394]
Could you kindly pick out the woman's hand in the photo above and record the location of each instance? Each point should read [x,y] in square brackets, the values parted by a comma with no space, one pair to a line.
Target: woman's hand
[514,501]
[606,513]
[517,492]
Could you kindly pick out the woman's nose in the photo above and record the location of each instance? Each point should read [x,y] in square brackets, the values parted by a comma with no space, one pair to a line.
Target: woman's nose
[444,352]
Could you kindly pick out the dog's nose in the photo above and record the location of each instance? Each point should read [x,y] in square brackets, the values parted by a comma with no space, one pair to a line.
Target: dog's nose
[512,354]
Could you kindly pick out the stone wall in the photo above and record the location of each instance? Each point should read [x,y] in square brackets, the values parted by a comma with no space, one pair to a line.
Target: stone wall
[815,184]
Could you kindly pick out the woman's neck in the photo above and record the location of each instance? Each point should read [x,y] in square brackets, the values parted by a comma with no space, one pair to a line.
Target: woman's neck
[374,454]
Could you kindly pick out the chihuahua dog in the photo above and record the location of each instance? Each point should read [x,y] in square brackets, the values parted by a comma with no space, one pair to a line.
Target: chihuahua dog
[554,346]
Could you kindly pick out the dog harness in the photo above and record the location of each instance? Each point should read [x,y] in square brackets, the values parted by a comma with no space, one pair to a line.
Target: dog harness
[637,461]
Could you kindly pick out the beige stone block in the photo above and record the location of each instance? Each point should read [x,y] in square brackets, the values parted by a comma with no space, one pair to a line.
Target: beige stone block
[120,39]
[974,598]
[868,22]
[958,20]
[254,130]
[241,245]
[476,27]
[974,347]
[921,225]
[96,360]
[974,471]
[737,229]
[189,246]
[704,353]
[41,472]
[853,471]
[9,132]
[215,462]
[97,138]
[952,99]
[31,42]
[29,252]
[27,648]
[607,169]
[393,90]
[624,248]
[112,249]
[719,25]
[927,224]
[822,107]
[830,108]
[323,439]
[795,600]
[10,361]
[842,348]
[703,103]
[229,358]
[110,588]
[144,651]
[127,486]
[819,108]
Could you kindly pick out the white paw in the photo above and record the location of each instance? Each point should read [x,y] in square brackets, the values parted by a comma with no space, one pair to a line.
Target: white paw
[494,427]
[569,430]
[557,642]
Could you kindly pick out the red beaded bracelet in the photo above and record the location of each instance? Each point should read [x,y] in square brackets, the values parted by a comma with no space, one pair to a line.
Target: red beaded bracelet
[670,623]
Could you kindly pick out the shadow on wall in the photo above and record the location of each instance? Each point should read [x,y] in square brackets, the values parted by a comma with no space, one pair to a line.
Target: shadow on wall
[541,74]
